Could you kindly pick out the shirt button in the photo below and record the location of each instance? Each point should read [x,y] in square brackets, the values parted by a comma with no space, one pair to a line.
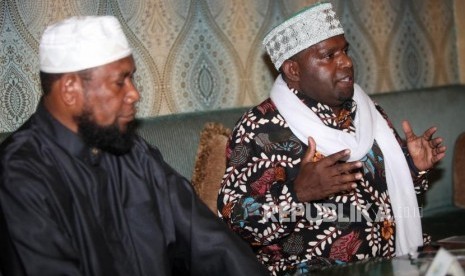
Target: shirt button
[95,151]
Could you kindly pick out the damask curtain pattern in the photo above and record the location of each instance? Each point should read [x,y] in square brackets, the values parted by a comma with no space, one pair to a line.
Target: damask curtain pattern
[207,54]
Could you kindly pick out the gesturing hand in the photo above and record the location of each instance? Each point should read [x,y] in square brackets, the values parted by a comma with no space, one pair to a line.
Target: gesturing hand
[424,150]
[318,180]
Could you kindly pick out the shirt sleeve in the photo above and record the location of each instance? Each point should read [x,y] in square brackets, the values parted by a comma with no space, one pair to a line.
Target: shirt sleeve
[40,241]
[10,263]
[256,198]
[204,244]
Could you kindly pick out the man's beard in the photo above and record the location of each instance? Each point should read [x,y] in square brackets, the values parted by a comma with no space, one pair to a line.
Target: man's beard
[107,138]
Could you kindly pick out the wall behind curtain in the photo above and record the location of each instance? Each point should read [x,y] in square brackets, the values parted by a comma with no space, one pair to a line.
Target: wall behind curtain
[207,54]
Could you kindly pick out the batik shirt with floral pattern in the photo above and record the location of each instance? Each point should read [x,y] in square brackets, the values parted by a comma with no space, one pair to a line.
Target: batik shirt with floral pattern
[258,202]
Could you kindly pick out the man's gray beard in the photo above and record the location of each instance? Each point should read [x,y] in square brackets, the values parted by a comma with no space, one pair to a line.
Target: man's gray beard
[106,138]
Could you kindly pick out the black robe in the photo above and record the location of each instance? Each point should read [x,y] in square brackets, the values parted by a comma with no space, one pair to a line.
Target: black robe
[73,210]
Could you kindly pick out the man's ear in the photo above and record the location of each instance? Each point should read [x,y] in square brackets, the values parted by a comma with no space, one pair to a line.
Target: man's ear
[71,89]
[291,70]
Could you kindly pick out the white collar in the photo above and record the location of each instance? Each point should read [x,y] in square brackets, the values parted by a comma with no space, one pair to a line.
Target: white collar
[369,126]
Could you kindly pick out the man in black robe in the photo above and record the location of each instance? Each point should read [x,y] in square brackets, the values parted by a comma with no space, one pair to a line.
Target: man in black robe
[82,194]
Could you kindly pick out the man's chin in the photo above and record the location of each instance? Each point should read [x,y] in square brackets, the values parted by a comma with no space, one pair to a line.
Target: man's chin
[114,139]
[346,95]
[125,122]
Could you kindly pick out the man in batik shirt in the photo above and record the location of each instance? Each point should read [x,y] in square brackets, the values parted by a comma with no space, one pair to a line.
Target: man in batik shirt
[316,175]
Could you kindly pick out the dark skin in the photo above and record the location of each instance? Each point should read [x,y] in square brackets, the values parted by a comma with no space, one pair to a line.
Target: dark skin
[108,92]
[325,73]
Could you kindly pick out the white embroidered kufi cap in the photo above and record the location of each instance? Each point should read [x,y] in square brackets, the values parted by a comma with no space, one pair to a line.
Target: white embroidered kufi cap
[79,43]
[306,28]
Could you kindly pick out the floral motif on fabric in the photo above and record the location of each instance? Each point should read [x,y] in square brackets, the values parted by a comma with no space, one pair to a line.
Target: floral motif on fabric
[257,199]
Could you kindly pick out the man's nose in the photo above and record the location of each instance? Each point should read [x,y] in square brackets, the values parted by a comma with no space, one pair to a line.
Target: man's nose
[133,94]
[345,61]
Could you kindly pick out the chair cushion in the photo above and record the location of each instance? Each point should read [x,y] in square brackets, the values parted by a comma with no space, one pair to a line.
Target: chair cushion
[210,163]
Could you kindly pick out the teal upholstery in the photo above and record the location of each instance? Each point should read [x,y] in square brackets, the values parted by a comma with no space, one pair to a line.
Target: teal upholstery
[177,136]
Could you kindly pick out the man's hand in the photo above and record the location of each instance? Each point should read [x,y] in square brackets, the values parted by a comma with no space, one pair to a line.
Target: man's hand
[318,180]
[424,150]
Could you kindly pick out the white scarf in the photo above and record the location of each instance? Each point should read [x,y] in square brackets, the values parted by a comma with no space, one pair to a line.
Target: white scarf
[370,126]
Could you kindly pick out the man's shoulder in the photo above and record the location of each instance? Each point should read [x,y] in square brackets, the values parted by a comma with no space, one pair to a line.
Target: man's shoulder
[262,118]
[21,140]
[140,144]
[143,149]
[264,110]
[30,145]
[22,158]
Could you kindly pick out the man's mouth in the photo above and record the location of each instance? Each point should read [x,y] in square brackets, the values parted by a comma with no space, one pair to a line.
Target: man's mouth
[347,79]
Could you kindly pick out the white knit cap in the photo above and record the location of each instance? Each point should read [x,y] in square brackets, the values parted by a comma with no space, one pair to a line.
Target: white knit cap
[79,43]
[306,28]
